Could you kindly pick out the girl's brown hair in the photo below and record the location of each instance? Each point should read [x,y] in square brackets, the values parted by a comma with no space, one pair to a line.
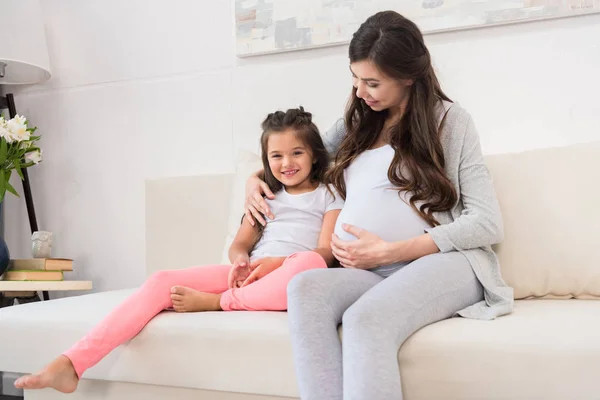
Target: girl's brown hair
[395,45]
[306,131]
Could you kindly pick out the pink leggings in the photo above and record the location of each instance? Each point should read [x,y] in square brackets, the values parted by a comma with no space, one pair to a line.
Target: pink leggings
[154,296]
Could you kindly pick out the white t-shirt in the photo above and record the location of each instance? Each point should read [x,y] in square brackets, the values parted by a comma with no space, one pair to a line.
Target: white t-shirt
[372,202]
[297,224]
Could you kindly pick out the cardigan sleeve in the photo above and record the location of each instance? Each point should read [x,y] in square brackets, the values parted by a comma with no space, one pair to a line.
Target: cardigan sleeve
[334,136]
[480,223]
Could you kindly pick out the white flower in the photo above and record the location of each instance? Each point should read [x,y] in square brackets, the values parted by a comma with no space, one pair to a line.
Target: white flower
[18,128]
[33,156]
[4,132]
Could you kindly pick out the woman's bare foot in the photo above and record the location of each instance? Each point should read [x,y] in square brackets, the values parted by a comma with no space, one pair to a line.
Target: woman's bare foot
[190,300]
[59,375]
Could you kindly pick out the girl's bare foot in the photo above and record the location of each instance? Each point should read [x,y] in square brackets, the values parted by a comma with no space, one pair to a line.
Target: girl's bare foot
[190,300]
[59,375]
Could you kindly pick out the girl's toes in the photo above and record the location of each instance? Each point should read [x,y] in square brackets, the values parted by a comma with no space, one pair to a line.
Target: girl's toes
[181,290]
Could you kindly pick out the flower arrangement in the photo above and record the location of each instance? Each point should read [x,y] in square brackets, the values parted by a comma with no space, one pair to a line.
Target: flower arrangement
[18,150]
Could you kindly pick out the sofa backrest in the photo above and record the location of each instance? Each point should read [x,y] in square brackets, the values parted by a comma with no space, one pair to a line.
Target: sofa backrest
[550,202]
[186,220]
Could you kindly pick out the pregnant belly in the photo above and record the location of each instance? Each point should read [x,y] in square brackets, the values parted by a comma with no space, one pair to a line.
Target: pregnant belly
[382,213]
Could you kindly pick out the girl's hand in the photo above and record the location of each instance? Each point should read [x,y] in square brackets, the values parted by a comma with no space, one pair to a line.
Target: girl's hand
[368,251]
[261,267]
[240,271]
[255,205]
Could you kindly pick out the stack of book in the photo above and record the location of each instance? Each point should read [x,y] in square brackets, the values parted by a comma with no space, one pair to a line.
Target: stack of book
[37,269]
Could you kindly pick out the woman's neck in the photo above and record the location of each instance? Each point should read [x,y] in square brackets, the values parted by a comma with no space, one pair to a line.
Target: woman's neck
[395,113]
[393,118]
[384,135]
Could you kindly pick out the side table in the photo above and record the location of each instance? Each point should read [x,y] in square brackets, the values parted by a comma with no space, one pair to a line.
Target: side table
[27,287]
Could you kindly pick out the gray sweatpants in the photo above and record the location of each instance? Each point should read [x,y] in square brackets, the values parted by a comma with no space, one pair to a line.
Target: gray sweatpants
[378,314]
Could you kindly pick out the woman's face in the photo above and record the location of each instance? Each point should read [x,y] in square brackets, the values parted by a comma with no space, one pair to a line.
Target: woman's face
[376,89]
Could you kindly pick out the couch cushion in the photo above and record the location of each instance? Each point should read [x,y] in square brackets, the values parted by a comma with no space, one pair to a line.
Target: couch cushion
[550,200]
[229,351]
[546,349]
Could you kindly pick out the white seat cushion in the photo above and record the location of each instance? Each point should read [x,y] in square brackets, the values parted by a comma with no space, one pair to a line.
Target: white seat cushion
[247,352]
[546,350]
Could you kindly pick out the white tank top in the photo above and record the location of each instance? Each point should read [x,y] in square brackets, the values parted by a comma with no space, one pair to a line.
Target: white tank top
[372,203]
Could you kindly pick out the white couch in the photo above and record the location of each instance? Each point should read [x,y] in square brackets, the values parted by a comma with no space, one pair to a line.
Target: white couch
[549,348]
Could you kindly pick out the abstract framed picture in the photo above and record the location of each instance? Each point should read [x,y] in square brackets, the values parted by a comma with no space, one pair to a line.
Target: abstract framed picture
[271,26]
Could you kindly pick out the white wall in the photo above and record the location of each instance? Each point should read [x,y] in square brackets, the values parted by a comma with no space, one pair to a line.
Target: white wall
[151,89]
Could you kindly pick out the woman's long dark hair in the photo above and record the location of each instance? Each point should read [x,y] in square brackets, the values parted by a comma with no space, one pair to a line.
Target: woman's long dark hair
[396,46]
[306,131]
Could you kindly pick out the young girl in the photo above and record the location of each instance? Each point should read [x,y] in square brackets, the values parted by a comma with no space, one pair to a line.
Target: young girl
[263,260]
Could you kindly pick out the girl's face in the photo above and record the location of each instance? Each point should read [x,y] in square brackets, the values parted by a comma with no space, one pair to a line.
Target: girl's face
[290,161]
[377,90]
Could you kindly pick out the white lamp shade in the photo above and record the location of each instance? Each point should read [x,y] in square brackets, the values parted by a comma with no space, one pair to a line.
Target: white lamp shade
[23,42]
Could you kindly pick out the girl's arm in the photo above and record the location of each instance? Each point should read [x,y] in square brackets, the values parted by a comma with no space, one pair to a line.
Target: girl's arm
[324,245]
[244,241]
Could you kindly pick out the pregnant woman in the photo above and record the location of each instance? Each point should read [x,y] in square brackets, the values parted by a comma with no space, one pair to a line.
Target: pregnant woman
[414,237]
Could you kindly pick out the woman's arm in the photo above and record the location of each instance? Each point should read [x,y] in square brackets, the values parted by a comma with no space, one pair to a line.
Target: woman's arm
[244,241]
[324,245]
[409,250]
[334,136]
[480,223]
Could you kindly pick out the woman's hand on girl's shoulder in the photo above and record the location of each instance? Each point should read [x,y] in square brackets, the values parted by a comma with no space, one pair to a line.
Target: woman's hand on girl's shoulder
[255,205]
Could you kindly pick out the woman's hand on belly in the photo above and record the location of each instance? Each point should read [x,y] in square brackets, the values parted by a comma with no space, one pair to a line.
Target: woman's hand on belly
[370,251]
[366,252]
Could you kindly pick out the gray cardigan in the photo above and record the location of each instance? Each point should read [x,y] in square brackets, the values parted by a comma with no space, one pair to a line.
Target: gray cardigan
[474,224]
